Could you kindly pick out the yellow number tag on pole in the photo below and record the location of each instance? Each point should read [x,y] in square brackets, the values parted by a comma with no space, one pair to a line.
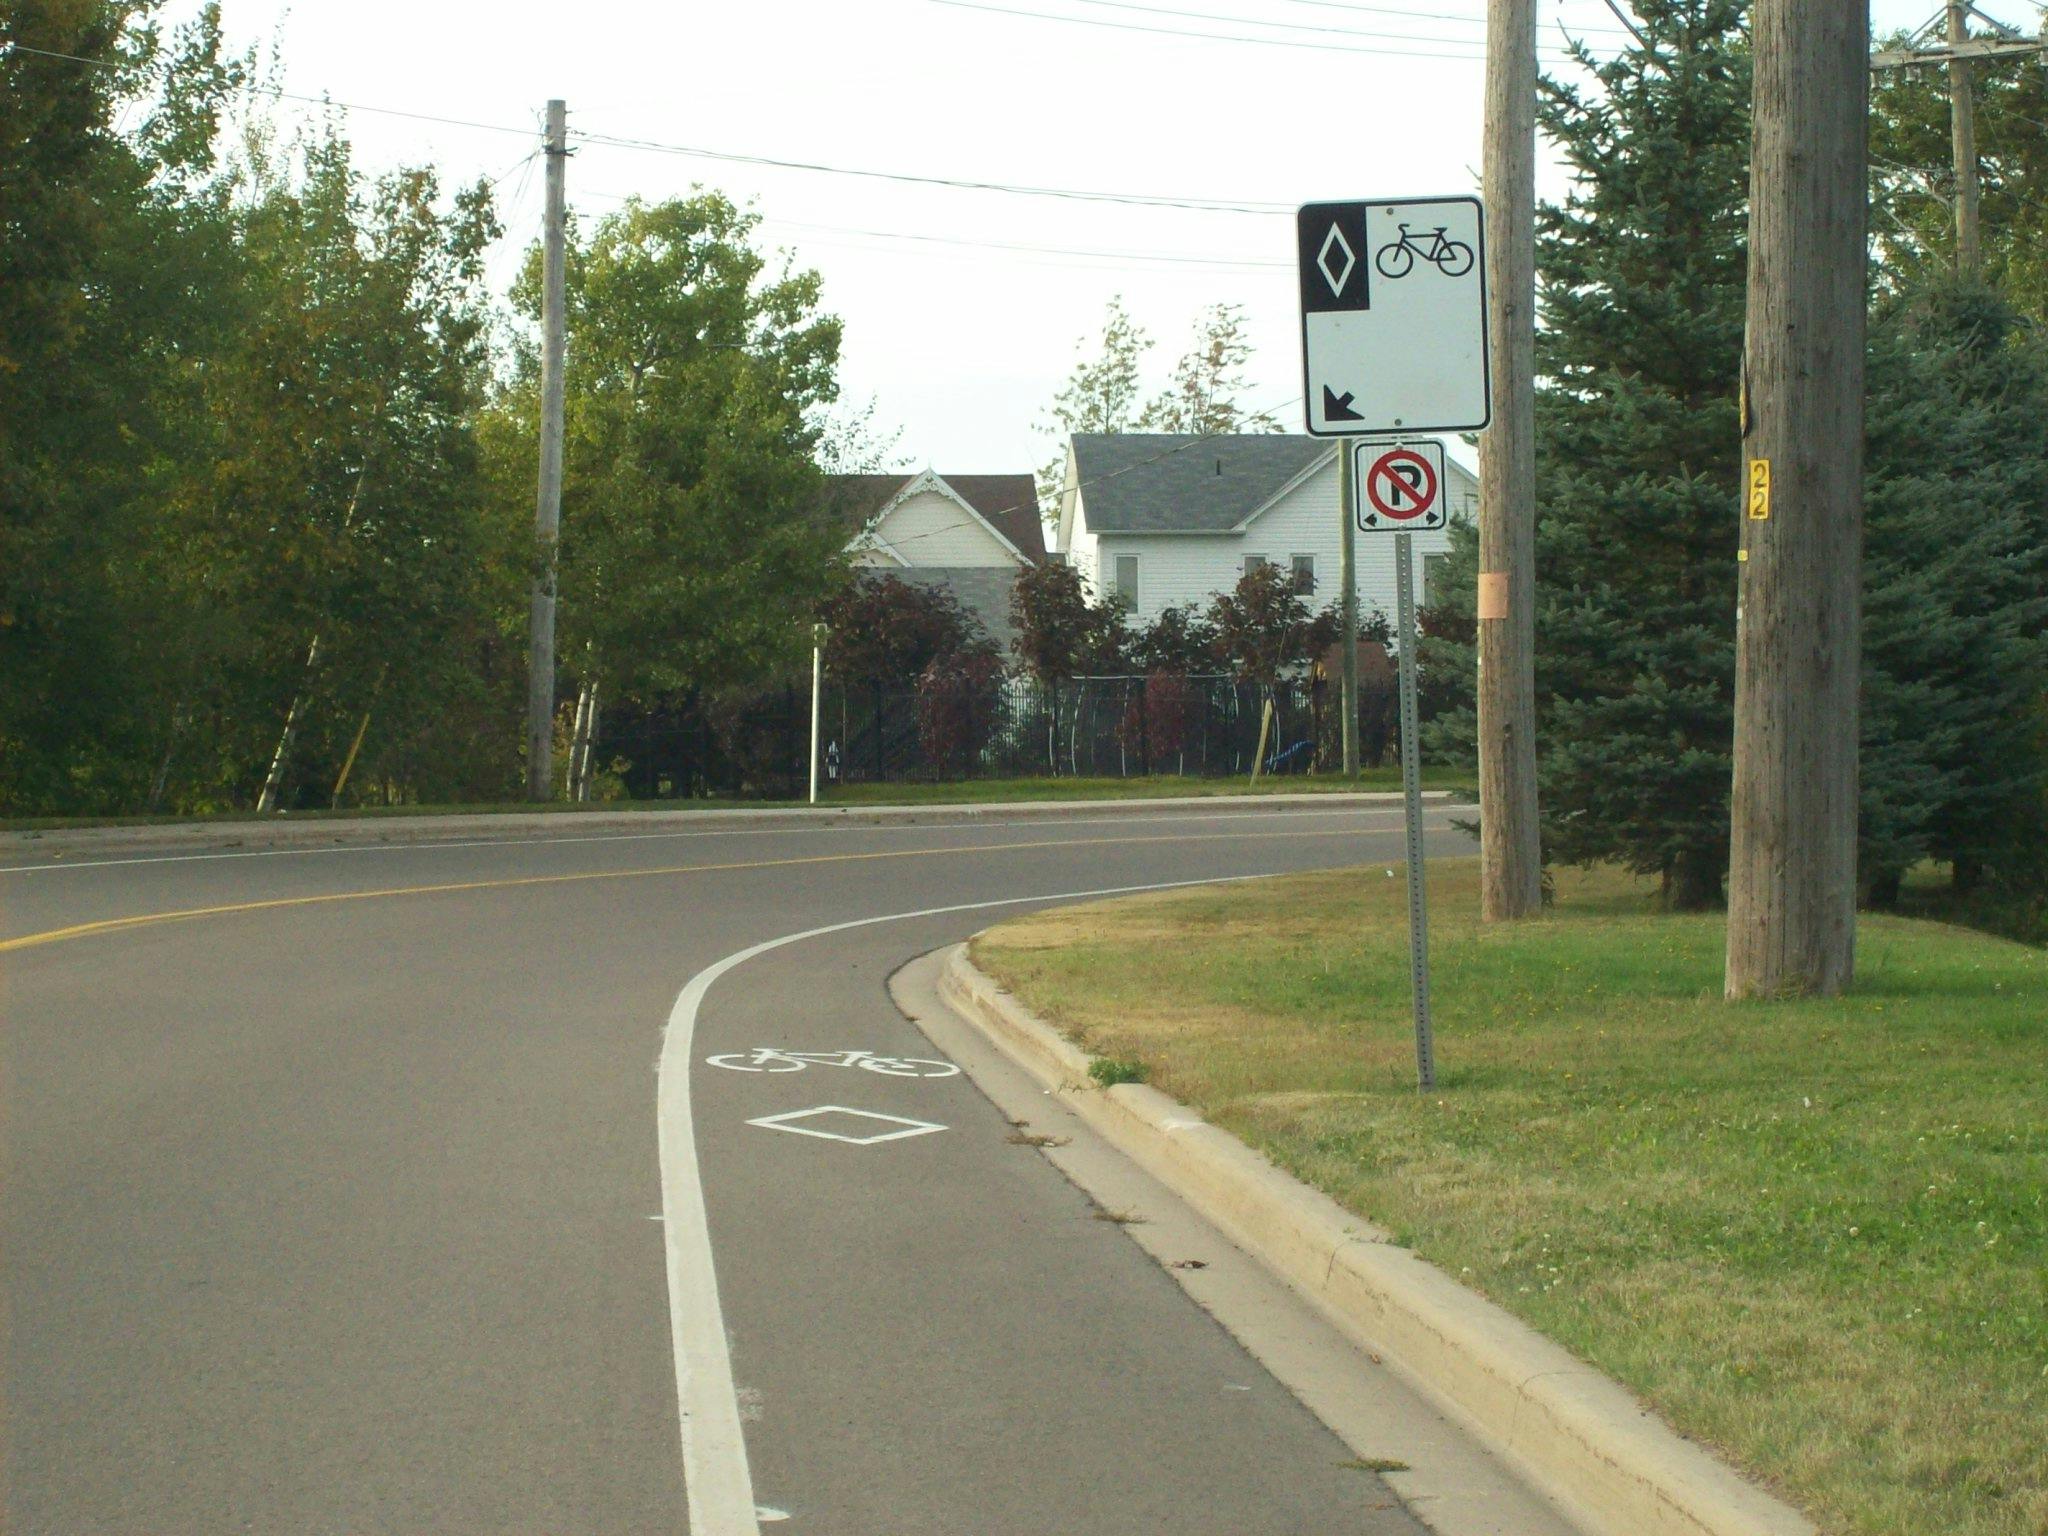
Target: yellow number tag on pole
[1759,490]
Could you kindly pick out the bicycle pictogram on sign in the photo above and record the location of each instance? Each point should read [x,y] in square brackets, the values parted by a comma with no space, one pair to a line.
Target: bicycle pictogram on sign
[1396,259]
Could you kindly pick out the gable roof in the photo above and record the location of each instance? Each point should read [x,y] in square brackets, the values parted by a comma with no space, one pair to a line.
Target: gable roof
[1157,482]
[1007,503]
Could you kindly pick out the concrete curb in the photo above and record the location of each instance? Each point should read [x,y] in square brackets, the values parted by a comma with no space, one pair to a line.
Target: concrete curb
[1577,1435]
[333,831]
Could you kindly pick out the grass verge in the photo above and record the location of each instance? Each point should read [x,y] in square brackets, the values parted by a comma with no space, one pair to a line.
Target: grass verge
[1814,1234]
[951,792]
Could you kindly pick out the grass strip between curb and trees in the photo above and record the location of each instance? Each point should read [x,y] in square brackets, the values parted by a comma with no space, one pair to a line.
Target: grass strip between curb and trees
[839,796]
[1812,1233]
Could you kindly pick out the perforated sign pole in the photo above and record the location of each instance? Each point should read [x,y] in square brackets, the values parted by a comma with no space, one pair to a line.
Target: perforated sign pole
[1411,789]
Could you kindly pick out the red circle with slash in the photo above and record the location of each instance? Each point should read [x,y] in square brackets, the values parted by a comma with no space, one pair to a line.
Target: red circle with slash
[1419,491]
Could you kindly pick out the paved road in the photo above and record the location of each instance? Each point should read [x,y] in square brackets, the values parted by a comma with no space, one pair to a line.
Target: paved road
[352,1199]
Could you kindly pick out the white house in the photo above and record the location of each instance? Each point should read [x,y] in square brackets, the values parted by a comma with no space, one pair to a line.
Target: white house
[1164,521]
[970,534]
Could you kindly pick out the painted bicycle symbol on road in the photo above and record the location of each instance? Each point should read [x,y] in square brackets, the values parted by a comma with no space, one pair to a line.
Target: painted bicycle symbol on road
[768,1058]
[1396,259]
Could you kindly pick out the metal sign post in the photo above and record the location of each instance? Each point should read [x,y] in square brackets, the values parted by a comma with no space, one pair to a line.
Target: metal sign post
[1411,790]
[1393,341]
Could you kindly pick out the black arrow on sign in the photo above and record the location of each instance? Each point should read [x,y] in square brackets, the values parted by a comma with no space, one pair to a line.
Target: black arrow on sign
[1337,407]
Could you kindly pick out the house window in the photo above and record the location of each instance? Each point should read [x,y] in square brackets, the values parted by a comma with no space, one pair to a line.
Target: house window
[1436,571]
[1305,575]
[1127,583]
[1253,564]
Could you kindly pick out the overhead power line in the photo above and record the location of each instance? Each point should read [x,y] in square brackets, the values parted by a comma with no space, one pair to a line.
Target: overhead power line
[524,131]
[1283,26]
[734,157]
[1133,199]
[1464,18]
[1221,37]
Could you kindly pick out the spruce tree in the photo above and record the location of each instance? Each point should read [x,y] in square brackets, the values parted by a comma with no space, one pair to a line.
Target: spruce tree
[1641,296]
[1955,632]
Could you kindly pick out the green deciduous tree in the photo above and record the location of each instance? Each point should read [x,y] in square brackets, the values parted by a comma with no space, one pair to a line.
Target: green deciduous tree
[1205,395]
[693,544]
[114,249]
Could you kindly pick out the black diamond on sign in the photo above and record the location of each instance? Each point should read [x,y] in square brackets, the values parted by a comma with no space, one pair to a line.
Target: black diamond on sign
[1332,240]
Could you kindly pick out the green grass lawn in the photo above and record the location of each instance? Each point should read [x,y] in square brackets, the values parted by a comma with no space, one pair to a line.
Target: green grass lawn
[1814,1234]
[950,792]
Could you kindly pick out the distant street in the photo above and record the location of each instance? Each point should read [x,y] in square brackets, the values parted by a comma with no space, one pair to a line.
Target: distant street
[341,1210]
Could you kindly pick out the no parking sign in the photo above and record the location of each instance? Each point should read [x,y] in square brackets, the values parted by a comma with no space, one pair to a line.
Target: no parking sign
[1400,485]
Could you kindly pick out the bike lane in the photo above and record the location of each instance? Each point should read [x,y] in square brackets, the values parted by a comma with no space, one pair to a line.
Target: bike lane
[931,1330]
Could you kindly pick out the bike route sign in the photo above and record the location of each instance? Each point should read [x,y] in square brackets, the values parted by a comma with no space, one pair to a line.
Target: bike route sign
[1393,316]
[1400,485]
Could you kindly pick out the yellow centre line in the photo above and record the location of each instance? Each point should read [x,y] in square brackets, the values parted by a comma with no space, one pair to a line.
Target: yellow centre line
[150,919]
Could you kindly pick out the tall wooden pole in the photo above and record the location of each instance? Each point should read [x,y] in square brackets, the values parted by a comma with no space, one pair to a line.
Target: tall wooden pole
[1962,114]
[1347,546]
[547,507]
[1792,869]
[1510,844]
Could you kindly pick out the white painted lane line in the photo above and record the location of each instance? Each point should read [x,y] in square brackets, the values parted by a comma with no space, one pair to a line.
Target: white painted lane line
[717,1482]
[976,825]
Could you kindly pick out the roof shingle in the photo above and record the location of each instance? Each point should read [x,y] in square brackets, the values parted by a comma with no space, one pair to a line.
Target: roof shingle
[1009,503]
[1156,482]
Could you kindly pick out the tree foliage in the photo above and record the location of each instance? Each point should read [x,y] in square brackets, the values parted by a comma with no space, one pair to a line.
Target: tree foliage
[1263,627]
[1955,652]
[1641,274]
[1912,176]
[882,630]
[691,526]
[1204,396]
[250,469]
[1106,390]
[1062,631]
[1642,278]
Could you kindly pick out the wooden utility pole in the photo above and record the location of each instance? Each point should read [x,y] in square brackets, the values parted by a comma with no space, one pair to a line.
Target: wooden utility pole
[547,508]
[1510,844]
[1347,521]
[1962,122]
[1792,869]
[1957,50]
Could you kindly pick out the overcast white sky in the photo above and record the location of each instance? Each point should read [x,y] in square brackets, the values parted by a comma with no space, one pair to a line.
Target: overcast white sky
[961,345]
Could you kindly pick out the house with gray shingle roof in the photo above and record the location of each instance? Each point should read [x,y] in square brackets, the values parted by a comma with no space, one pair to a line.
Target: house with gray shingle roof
[1163,521]
[970,534]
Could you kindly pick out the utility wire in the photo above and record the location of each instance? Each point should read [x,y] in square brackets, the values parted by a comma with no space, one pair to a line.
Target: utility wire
[1220,37]
[1170,258]
[1285,26]
[1133,199]
[1389,10]
[317,101]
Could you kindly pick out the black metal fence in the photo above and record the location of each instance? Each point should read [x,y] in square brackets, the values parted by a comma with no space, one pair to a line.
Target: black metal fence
[962,728]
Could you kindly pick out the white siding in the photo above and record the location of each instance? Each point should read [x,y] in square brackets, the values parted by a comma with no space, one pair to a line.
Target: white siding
[1178,569]
[1080,546]
[931,528]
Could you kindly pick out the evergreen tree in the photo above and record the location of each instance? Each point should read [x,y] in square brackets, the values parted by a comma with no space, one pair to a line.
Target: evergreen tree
[1912,177]
[1641,292]
[1955,629]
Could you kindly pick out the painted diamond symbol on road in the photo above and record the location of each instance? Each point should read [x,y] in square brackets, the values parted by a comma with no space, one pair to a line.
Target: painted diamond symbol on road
[902,1127]
[1336,279]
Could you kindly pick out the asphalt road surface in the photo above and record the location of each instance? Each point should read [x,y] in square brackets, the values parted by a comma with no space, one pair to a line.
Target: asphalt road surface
[413,1188]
